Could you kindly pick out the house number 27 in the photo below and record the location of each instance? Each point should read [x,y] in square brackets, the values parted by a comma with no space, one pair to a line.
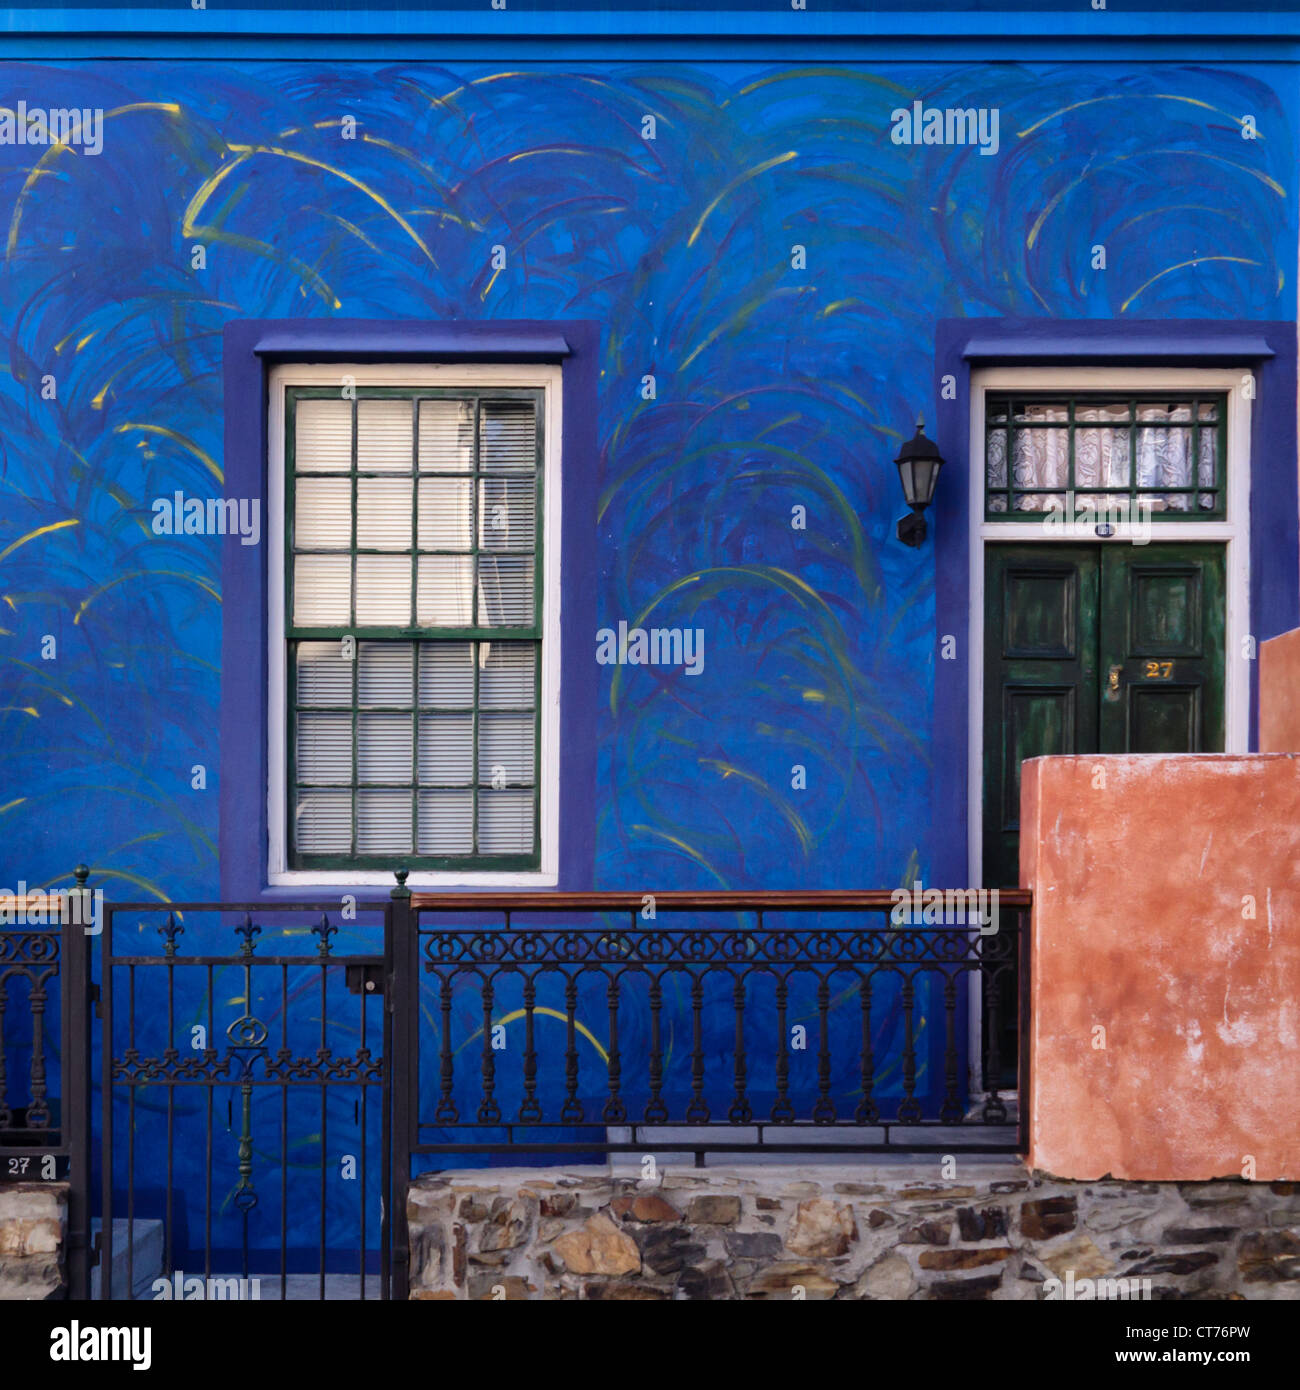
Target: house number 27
[1158,670]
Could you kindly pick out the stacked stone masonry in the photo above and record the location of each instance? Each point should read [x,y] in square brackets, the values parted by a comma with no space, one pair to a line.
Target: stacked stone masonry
[33,1223]
[769,1233]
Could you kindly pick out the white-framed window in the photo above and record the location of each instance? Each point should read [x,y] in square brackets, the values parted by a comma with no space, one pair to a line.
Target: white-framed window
[413,623]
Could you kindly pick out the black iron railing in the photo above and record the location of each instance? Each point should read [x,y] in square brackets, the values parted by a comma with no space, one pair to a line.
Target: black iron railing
[703,1023]
[273,1072]
[45,1007]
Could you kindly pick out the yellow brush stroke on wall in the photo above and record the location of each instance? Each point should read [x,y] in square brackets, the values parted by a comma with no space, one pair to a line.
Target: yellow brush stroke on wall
[1128,96]
[735,183]
[40,531]
[272,253]
[550,1013]
[738,320]
[839,305]
[40,168]
[771,574]
[1182,265]
[245,152]
[9,805]
[684,847]
[19,709]
[476,82]
[38,171]
[130,878]
[136,574]
[795,74]
[186,443]
[1188,154]
[796,822]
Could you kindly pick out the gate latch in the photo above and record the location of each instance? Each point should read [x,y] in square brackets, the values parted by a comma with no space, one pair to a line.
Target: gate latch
[365,979]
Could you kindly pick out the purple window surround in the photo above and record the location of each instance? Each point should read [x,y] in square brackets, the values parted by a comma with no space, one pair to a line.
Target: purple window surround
[1267,347]
[250,349]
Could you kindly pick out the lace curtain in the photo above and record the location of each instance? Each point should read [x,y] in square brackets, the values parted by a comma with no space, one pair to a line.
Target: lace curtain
[1165,449]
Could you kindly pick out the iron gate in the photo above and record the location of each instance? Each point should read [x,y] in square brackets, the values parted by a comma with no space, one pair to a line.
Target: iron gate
[246,1101]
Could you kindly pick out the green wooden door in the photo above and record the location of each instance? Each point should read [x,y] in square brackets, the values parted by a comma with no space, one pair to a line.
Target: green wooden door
[1091,649]
[1094,649]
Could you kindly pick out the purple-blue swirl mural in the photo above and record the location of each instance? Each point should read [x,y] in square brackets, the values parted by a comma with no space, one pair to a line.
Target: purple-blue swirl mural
[771,257]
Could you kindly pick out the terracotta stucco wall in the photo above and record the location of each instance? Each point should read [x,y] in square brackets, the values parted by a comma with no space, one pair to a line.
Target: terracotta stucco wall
[1165,1037]
[1279,694]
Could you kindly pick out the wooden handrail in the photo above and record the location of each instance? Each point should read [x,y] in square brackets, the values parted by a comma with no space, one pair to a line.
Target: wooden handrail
[728,900]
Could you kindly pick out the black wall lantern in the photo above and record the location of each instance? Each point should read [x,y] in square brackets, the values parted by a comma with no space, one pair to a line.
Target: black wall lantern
[918,467]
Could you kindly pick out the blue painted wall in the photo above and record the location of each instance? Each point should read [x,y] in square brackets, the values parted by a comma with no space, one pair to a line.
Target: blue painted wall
[776,387]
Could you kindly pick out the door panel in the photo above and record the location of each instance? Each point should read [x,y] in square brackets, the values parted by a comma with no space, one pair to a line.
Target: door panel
[1162,638]
[1040,653]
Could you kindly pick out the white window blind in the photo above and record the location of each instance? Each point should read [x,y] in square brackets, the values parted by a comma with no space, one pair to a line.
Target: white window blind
[413,626]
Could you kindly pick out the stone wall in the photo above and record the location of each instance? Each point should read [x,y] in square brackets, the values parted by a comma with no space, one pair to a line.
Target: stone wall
[33,1223]
[861,1233]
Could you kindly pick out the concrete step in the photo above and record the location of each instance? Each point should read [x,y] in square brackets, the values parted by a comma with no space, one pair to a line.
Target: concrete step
[146,1262]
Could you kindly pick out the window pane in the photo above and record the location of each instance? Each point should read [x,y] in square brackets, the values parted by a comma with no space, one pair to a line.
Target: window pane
[324,675]
[507,514]
[322,514]
[325,749]
[446,749]
[383,591]
[1113,452]
[1101,457]
[323,822]
[383,513]
[446,822]
[383,822]
[322,590]
[447,436]
[445,514]
[385,746]
[447,674]
[384,438]
[323,436]
[505,822]
[505,748]
[995,458]
[508,674]
[384,673]
[505,590]
[509,441]
[443,597]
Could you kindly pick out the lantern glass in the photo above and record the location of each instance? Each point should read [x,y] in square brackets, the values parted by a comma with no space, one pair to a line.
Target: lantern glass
[918,475]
